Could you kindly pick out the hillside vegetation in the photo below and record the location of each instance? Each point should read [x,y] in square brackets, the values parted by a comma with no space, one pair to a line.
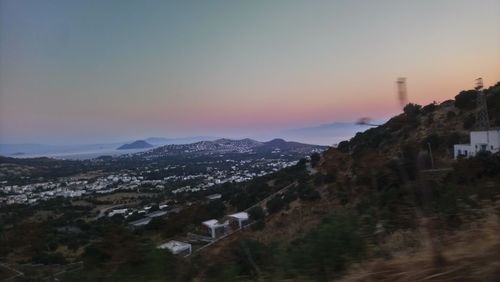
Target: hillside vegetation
[376,208]
[382,212]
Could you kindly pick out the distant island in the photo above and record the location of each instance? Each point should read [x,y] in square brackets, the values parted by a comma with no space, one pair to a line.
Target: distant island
[139,144]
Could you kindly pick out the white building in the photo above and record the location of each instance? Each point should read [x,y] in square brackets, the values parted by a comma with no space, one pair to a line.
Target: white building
[177,247]
[216,229]
[480,141]
[241,218]
[214,197]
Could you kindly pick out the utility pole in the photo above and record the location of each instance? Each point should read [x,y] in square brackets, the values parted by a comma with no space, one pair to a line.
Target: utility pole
[430,154]
[482,119]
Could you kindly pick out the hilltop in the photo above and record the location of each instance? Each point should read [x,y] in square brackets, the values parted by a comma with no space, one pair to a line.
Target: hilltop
[139,144]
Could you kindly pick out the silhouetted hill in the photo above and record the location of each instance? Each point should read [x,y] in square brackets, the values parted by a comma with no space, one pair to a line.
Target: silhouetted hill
[139,144]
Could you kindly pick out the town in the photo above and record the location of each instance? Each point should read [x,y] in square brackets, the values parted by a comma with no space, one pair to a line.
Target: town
[202,176]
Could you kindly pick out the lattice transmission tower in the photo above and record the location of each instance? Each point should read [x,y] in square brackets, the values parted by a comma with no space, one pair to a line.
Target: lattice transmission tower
[482,119]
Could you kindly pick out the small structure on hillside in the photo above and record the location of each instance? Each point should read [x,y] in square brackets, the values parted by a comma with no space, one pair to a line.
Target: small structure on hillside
[141,222]
[117,211]
[238,220]
[213,197]
[480,141]
[177,248]
[216,229]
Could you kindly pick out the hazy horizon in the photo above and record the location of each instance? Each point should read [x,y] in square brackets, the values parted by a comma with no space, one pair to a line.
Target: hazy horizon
[104,71]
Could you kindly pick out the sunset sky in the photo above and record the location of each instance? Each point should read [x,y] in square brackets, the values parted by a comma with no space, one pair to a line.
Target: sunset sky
[101,71]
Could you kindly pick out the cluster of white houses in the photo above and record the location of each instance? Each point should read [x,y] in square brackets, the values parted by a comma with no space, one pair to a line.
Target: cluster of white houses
[215,228]
[480,141]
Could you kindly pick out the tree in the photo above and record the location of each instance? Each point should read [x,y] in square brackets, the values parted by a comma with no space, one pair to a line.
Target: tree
[275,204]
[256,213]
[412,110]
[466,100]
[429,108]
[343,146]
[216,208]
[315,157]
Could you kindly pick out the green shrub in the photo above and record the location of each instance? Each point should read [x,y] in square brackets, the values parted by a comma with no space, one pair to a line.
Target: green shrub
[325,252]
[275,204]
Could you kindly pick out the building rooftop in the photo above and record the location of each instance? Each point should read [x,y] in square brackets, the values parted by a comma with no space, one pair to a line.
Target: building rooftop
[240,215]
[214,223]
[175,246]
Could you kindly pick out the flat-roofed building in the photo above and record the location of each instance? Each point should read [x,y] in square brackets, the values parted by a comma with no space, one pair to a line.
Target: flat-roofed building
[177,247]
[480,141]
[216,229]
[241,219]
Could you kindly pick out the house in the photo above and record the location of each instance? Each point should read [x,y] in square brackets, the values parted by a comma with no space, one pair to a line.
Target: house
[177,248]
[216,229]
[141,222]
[117,211]
[480,141]
[238,220]
[214,197]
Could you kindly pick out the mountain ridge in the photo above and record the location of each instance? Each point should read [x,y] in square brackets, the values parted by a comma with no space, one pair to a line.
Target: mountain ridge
[225,145]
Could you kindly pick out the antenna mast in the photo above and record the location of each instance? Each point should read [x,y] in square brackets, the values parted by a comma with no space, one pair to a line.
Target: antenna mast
[482,119]
[403,98]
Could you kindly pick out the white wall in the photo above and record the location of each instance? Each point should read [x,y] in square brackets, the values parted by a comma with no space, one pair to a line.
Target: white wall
[463,150]
[489,138]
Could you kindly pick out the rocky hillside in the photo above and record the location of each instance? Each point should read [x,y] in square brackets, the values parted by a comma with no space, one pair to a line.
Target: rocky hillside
[378,206]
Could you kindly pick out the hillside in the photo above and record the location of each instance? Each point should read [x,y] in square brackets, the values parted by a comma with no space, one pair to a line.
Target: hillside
[373,209]
[228,146]
[383,213]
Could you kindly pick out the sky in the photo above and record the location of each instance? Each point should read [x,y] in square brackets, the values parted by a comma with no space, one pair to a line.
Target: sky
[101,71]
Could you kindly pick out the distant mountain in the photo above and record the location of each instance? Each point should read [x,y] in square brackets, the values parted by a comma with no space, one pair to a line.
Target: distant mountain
[159,141]
[326,134]
[139,144]
[228,146]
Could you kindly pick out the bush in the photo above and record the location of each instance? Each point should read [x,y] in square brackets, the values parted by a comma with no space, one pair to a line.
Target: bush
[216,208]
[327,251]
[451,114]
[315,159]
[412,110]
[429,108]
[306,193]
[433,139]
[275,204]
[331,176]
[256,213]
[455,138]
[469,121]
[343,147]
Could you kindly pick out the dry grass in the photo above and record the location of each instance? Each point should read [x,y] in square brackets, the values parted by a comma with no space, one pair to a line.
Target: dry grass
[471,254]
